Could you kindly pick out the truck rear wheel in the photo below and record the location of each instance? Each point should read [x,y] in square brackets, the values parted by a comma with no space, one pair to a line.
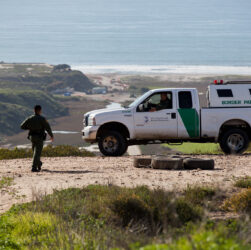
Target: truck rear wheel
[112,143]
[234,141]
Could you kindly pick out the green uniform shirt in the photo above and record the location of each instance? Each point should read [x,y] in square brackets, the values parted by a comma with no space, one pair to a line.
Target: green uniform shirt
[37,124]
[164,105]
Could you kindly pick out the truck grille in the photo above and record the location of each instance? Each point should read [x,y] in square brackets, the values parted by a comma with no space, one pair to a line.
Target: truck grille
[86,121]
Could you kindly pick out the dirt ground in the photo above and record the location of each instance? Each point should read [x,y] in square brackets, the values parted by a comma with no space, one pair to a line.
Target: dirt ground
[60,173]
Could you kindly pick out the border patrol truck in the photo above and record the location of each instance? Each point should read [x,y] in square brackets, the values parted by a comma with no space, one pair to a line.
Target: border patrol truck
[226,119]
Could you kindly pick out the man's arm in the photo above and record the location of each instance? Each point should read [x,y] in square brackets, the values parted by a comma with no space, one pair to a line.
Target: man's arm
[25,124]
[47,127]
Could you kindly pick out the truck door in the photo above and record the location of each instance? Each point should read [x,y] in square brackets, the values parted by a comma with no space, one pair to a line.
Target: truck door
[188,115]
[156,117]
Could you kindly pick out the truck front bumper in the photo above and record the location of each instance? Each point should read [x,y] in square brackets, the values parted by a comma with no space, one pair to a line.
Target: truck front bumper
[90,133]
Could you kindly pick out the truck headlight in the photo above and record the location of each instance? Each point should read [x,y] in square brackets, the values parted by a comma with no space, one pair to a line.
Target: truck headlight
[91,121]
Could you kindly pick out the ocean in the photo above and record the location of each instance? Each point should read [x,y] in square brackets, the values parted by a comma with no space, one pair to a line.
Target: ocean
[158,36]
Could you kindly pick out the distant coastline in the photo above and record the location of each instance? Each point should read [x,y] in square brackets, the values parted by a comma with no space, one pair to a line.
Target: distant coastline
[132,69]
[164,69]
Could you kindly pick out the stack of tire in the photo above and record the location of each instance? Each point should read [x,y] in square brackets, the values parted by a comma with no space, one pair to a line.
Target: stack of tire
[173,163]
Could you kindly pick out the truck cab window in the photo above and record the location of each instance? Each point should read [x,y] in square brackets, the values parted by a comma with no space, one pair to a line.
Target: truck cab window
[250,91]
[225,92]
[156,102]
[185,100]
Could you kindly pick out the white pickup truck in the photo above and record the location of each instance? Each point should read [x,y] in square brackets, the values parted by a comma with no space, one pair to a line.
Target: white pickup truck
[173,115]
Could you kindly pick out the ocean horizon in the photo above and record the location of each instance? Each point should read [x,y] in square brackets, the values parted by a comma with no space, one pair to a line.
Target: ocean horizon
[153,36]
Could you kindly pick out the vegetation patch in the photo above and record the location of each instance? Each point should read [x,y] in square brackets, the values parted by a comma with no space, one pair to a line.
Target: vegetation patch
[6,182]
[15,105]
[244,182]
[196,148]
[198,194]
[206,239]
[111,217]
[239,202]
[48,151]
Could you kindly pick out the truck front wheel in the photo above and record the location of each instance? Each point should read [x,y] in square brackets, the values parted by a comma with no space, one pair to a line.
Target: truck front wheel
[234,141]
[112,143]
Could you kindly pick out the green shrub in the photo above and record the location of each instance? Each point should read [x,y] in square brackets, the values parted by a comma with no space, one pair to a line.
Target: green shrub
[198,194]
[205,240]
[64,150]
[131,209]
[33,224]
[48,151]
[15,153]
[244,182]
[188,212]
[111,217]
[239,202]
[33,230]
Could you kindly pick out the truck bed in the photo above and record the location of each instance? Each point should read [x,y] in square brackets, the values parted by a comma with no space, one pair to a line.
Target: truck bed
[213,118]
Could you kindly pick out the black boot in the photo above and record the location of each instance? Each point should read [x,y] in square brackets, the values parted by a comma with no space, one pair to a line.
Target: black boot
[34,169]
[39,166]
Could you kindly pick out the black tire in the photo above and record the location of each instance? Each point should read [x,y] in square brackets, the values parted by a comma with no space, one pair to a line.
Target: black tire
[112,143]
[234,141]
[140,162]
[204,164]
[167,163]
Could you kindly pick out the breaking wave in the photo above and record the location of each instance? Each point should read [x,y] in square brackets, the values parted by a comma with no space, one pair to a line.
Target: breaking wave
[164,69]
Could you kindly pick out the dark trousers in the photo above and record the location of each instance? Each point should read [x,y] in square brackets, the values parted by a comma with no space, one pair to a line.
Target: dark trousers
[37,147]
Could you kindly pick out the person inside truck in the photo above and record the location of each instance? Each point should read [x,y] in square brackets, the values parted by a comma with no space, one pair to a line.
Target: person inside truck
[165,103]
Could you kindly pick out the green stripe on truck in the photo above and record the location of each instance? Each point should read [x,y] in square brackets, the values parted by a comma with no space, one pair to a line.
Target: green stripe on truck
[191,121]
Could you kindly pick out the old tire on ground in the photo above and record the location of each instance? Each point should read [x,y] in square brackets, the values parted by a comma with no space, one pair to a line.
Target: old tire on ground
[140,162]
[112,143]
[234,141]
[175,156]
[205,164]
[167,163]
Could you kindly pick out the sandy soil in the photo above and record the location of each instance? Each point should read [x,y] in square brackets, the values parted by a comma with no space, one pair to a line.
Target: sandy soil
[60,173]
[111,97]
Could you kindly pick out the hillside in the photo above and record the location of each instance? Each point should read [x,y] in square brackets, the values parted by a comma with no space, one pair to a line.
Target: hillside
[43,77]
[15,105]
[24,85]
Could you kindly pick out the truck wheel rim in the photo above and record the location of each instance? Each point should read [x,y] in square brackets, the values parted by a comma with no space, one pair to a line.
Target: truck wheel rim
[235,142]
[110,144]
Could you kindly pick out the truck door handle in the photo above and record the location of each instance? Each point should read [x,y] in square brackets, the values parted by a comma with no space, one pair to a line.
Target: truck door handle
[173,115]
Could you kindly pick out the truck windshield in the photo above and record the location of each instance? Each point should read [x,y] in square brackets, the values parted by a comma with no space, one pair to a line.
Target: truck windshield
[137,100]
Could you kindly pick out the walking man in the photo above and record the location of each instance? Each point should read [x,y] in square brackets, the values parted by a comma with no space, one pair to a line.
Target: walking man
[37,125]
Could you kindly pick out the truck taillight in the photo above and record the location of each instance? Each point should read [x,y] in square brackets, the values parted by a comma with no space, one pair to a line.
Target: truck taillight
[215,82]
[221,82]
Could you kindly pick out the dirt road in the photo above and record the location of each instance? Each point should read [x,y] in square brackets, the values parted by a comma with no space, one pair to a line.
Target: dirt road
[59,173]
